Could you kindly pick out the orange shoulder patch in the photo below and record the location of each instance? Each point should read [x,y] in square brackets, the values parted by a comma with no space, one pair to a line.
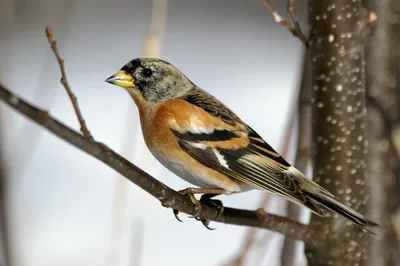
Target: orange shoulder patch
[183,116]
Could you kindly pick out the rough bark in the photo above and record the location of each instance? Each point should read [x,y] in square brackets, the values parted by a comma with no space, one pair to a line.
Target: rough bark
[383,113]
[337,38]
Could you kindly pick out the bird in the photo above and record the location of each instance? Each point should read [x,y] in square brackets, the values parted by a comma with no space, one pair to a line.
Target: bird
[199,139]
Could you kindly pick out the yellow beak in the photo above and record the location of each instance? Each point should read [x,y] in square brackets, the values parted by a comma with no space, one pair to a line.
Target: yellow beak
[122,79]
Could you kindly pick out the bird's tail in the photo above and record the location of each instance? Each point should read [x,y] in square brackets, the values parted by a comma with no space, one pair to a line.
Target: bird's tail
[329,202]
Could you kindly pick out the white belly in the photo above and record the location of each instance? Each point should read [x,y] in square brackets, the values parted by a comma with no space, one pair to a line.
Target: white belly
[199,178]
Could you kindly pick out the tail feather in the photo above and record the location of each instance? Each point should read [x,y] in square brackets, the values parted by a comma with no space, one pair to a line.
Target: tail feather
[340,208]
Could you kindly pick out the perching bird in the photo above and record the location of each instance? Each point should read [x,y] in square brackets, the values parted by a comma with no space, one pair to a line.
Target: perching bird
[198,138]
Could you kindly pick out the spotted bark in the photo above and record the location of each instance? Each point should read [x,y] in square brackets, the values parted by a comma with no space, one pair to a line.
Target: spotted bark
[337,40]
[383,114]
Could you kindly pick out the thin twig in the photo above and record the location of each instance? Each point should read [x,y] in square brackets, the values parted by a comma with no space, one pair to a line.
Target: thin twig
[26,147]
[167,196]
[292,12]
[295,29]
[64,82]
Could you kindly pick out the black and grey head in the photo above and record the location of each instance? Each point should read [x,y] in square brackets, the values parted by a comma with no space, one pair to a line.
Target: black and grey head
[155,79]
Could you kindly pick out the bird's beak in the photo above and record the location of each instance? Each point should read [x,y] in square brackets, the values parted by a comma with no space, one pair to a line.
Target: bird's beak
[122,79]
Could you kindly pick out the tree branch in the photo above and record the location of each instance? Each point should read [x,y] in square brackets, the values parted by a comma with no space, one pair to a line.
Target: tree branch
[168,197]
[64,82]
[295,29]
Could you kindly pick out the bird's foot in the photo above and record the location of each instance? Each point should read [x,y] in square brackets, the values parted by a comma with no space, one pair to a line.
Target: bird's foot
[205,222]
[187,192]
[205,199]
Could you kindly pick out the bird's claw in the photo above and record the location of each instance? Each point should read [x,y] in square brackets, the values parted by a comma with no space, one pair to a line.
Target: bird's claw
[195,202]
[212,203]
[197,205]
[176,213]
[205,222]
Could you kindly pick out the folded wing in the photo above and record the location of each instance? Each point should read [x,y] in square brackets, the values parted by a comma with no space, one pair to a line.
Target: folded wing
[240,153]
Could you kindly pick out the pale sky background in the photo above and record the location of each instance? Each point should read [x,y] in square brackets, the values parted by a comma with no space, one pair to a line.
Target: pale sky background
[61,199]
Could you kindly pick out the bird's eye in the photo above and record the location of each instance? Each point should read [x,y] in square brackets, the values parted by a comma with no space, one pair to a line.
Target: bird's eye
[147,72]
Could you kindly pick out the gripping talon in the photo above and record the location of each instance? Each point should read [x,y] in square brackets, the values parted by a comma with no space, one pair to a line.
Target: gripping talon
[195,202]
[206,199]
[217,204]
[176,213]
[193,199]
[206,223]
[213,203]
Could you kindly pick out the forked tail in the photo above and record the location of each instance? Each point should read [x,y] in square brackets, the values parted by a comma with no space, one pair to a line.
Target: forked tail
[332,204]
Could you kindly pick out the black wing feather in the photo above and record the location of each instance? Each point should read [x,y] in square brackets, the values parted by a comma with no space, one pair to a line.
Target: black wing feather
[216,135]
[259,146]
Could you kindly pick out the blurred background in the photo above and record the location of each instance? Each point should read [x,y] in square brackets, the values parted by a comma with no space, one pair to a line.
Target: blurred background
[66,208]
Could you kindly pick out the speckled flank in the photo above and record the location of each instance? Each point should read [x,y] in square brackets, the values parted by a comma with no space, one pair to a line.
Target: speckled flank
[339,123]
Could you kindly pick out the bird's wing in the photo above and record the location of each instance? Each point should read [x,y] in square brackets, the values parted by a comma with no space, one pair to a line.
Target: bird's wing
[211,105]
[234,149]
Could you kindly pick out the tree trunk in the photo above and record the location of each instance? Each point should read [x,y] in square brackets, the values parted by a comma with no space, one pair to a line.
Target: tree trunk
[337,38]
[383,113]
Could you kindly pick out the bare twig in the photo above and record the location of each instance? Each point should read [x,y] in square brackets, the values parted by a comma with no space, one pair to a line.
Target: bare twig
[25,147]
[167,196]
[64,82]
[295,29]
[292,12]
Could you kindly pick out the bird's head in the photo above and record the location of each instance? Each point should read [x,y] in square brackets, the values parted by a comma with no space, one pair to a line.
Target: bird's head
[154,79]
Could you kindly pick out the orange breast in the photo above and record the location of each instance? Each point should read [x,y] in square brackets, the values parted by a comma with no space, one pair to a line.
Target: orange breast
[179,115]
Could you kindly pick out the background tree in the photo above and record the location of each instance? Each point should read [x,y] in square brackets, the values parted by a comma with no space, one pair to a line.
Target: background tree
[382,70]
